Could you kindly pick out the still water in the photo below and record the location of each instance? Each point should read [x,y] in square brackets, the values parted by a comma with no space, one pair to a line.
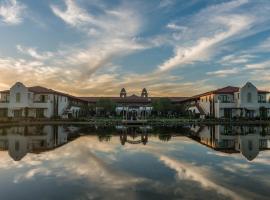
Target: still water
[90,162]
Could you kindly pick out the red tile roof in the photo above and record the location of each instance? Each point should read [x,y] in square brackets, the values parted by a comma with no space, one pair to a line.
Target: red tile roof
[132,99]
[224,90]
[43,90]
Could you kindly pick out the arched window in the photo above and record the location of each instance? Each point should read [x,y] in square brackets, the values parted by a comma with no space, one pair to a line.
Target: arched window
[18,97]
[249,97]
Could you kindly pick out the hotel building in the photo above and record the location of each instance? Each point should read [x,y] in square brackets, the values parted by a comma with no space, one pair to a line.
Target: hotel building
[40,102]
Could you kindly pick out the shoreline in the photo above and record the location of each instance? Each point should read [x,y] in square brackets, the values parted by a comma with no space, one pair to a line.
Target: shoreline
[153,122]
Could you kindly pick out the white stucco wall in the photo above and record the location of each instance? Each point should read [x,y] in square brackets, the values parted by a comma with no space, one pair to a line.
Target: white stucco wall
[62,104]
[23,91]
[248,88]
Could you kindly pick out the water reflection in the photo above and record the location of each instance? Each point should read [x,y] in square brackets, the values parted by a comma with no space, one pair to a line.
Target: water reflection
[20,140]
[248,140]
[129,134]
[143,162]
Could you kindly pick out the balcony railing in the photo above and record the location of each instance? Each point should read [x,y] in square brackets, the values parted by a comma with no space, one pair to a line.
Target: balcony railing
[226,101]
[4,101]
[40,101]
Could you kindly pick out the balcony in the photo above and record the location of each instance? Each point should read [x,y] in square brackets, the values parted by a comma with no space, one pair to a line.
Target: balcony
[264,104]
[227,104]
[4,103]
[40,104]
[39,101]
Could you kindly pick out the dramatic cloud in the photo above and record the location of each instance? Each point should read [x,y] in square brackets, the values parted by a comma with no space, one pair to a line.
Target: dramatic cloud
[106,41]
[236,59]
[11,12]
[224,72]
[262,65]
[73,14]
[97,47]
[33,53]
[217,19]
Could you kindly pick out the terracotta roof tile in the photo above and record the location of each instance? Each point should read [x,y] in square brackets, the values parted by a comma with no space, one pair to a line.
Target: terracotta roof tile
[132,99]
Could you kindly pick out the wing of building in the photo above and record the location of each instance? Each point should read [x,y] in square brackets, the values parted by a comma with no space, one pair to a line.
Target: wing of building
[38,102]
[228,102]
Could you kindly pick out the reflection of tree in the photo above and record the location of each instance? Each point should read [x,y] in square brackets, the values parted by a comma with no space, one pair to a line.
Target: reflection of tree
[101,130]
[124,139]
[165,137]
[264,131]
[104,138]
[144,138]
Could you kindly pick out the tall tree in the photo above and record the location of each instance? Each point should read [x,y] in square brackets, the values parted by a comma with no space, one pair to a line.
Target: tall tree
[106,105]
[162,106]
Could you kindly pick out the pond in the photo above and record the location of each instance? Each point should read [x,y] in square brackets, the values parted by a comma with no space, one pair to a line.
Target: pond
[142,162]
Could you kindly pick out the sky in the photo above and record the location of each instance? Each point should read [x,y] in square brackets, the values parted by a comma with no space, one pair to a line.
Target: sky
[170,47]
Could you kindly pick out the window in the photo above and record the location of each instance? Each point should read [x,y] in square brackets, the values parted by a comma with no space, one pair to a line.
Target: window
[224,98]
[249,97]
[238,95]
[42,98]
[18,97]
[261,99]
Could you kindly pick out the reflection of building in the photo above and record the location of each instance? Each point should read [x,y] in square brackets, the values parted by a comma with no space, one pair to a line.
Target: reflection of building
[228,102]
[19,141]
[133,134]
[234,139]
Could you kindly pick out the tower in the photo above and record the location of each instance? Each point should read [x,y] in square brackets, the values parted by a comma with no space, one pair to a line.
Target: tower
[144,93]
[123,93]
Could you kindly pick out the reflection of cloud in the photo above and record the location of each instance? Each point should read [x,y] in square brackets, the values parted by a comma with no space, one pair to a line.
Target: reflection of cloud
[32,173]
[65,162]
[221,154]
[186,171]
[100,165]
